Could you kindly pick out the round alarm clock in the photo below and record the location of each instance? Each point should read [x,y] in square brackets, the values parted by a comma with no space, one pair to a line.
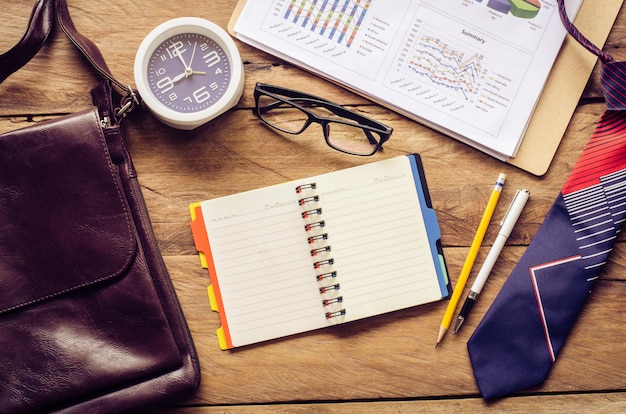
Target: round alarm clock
[188,71]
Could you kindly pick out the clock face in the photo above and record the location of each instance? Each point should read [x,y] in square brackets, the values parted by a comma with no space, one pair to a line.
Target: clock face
[188,72]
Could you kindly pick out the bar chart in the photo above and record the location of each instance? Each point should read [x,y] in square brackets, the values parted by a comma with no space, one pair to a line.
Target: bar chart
[337,20]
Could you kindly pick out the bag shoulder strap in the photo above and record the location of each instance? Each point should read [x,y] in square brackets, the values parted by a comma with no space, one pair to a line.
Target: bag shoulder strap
[39,28]
[86,46]
[43,17]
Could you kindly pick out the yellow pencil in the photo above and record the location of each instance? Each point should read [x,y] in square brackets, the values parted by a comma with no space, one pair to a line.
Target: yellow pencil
[471,256]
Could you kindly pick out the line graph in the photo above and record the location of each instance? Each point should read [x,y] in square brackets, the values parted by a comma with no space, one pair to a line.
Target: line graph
[337,20]
[449,66]
[458,71]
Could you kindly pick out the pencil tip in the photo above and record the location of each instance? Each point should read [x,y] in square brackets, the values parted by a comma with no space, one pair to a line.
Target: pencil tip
[442,332]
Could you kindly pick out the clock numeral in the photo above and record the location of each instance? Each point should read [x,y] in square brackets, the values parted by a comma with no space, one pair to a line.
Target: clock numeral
[214,86]
[173,96]
[176,49]
[211,58]
[165,84]
[218,71]
[201,95]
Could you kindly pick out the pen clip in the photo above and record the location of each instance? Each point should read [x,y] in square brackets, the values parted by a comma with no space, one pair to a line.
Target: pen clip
[508,210]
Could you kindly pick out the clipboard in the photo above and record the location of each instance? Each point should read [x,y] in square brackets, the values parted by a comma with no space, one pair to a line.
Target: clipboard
[564,86]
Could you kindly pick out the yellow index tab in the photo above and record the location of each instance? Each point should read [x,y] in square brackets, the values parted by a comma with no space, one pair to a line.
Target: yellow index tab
[212,298]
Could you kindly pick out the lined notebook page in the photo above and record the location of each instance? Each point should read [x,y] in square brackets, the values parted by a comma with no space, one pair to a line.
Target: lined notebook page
[265,269]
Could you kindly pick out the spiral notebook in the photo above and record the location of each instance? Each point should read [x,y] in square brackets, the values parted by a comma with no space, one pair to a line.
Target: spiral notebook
[322,251]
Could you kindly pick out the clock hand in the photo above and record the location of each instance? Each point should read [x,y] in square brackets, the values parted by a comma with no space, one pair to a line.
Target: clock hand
[186,74]
[188,69]
[179,77]
[180,56]
[193,52]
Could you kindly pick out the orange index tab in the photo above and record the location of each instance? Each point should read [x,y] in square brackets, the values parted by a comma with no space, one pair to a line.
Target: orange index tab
[199,232]
[201,240]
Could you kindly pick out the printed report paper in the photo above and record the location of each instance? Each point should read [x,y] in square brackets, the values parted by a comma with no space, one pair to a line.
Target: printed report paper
[473,69]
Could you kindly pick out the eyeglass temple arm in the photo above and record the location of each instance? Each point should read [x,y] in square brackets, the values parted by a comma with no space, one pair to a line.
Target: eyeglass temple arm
[341,111]
[370,137]
[333,107]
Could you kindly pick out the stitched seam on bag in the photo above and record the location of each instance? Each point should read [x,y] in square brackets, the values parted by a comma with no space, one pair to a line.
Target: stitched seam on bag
[115,179]
[130,236]
[59,293]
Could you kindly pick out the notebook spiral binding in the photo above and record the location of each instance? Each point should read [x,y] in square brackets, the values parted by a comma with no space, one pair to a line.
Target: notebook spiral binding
[326,276]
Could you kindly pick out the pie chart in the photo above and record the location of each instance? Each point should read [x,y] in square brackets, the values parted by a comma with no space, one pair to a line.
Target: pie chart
[525,9]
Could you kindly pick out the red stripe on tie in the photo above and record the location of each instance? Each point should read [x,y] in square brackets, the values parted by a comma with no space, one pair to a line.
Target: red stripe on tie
[605,153]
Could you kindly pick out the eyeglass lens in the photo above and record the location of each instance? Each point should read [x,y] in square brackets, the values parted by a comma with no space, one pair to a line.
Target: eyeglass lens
[340,134]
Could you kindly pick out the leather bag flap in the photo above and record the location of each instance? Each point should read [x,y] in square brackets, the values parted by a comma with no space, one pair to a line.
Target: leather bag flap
[62,211]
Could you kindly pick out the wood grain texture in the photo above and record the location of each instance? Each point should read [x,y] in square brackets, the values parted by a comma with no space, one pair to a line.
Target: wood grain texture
[385,364]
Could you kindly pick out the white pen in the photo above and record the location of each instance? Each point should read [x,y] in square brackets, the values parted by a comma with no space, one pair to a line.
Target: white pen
[506,226]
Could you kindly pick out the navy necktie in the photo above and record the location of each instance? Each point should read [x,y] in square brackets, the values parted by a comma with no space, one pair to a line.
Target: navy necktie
[517,342]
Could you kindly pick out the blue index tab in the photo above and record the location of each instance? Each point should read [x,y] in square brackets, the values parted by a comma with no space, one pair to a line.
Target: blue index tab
[444,268]
[432,225]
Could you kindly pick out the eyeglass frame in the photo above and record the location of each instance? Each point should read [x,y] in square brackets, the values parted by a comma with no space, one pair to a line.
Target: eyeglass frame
[363,122]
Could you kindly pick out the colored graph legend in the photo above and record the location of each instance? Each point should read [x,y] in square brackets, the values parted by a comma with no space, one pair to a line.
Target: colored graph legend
[337,20]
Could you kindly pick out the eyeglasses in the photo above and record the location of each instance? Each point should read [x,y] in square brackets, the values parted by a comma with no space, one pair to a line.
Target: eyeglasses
[292,112]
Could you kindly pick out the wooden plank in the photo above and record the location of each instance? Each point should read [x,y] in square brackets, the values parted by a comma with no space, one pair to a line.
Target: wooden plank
[391,356]
[390,359]
[601,403]
[68,78]
[177,168]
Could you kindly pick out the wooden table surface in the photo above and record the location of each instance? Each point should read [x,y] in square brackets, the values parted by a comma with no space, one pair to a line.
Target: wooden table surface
[383,364]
